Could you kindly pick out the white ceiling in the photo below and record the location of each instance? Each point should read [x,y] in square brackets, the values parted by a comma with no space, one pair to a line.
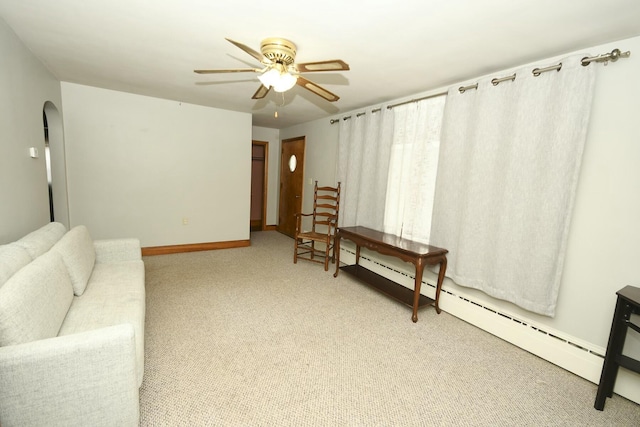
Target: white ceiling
[395,48]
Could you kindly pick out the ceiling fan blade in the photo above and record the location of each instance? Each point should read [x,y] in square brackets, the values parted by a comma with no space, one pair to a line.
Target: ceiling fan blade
[320,91]
[331,65]
[261,92]
[257,55]
[232,70]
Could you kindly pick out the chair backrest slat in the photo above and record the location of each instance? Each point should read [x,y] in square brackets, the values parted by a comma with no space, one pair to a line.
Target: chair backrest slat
[326,205]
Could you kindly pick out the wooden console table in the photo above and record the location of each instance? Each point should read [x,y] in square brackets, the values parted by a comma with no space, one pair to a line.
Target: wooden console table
[419,254]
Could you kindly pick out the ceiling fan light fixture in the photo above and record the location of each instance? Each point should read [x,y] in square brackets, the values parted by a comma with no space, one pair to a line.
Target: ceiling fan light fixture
[269,78]
[286,81]
[278,78]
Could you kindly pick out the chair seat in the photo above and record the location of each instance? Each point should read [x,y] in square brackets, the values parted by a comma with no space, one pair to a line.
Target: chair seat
[314,235]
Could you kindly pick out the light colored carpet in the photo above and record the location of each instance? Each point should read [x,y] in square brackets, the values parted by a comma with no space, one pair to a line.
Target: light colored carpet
[244,337]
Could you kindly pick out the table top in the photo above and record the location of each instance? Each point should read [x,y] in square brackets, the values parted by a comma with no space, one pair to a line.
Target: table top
[392,241]
[631,294]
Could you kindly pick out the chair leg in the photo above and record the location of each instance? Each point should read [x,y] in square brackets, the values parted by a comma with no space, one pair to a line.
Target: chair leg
[326,258]
[295,251]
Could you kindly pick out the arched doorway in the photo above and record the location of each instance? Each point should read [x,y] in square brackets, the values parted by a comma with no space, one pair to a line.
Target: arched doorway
[56,164]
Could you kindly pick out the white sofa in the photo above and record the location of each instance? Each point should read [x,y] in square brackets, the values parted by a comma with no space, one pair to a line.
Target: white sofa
[71,329]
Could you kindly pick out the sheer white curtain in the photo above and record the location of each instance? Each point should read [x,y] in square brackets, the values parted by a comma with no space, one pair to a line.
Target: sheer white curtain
[363,164]
[413,167]
[508,169]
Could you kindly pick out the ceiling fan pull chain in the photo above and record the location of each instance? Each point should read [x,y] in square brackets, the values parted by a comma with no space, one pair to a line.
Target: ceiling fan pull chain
[281,105]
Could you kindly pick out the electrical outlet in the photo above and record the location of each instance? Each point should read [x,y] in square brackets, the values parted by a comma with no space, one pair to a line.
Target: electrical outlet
[185,221]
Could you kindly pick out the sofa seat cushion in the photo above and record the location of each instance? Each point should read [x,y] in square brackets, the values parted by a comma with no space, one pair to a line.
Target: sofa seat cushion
[12,258]
[115,294]
[41,240]
[78,253]
[35,301]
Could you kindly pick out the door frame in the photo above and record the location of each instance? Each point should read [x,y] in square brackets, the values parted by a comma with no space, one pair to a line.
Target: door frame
[265,177]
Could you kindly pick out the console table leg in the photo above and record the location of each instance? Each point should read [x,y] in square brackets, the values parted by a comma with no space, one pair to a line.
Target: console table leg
[336,252]
[441,272]
[416,290]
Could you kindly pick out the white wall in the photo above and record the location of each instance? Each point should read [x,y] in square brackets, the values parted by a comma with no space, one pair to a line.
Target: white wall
[272,136]
[138,166]
[604,242]
[25,85]
[320,155]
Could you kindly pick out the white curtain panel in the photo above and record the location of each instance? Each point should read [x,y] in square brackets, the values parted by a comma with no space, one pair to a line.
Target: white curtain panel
[363,163]
[509,164]
[413,167]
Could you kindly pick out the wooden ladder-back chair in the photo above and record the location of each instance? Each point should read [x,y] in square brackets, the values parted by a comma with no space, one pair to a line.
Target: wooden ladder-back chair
[324,221]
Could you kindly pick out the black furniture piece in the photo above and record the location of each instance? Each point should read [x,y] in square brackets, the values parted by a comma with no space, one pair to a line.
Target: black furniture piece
[628,303]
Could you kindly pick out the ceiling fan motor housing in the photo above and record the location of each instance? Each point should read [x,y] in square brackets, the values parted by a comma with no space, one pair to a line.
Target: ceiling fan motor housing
[279,50]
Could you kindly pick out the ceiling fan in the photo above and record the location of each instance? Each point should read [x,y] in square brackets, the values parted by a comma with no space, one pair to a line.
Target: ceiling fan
[279,69]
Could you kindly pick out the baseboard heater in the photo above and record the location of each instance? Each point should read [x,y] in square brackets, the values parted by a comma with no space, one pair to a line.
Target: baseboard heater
[572,354]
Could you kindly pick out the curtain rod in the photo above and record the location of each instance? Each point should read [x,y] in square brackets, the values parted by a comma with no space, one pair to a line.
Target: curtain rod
[612,56]
[389,107]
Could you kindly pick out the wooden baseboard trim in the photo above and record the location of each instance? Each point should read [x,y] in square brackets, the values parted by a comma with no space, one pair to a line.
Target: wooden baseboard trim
[194,247]
[270,227]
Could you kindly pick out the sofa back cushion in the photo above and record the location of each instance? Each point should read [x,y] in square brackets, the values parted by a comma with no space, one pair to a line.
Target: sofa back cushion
[12,259]
[79,255]
[41,240]
[35,301]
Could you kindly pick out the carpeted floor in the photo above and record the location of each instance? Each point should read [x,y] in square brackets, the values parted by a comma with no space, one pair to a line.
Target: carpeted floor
[244,337]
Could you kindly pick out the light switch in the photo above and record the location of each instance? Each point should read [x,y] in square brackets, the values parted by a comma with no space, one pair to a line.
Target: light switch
[33,152]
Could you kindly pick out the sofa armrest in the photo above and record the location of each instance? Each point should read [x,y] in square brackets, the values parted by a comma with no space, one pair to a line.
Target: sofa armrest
[117,250]
[81,379]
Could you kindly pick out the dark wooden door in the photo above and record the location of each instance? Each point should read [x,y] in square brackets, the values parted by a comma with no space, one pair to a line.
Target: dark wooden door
[291,184]
[259,168]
